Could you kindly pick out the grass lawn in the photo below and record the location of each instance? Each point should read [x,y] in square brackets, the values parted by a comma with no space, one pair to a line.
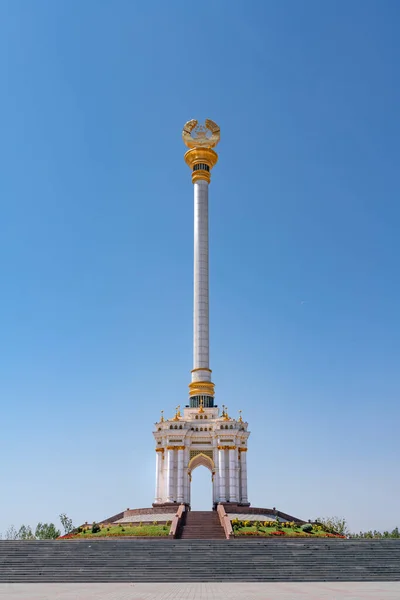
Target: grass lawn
[269,532]
[126,530]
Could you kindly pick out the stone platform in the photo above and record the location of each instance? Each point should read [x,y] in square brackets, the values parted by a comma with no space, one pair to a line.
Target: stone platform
[200,591]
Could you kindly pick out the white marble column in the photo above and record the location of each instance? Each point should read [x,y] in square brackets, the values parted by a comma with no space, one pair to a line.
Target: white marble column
[180,475]
[221,475]
[186,482]
[232,475]
[170,475]
[201,288]
[159,461]
[243,476]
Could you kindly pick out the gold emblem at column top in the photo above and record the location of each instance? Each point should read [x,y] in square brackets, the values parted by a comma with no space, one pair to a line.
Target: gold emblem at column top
[201,139]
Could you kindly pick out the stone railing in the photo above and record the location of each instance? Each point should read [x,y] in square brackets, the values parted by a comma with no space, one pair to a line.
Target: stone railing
[176,521]
[225,521]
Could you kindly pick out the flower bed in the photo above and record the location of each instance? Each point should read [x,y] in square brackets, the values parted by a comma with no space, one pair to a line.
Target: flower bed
[278,529]
[118,531]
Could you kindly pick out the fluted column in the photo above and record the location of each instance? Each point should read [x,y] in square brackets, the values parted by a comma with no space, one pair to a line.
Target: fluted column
[159,461]
[232,475]
[243,475]
[180,474]
[170,475]
[221,475]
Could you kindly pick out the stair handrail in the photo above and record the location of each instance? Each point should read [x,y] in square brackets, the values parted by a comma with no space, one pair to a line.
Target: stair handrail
[225,521]
[177,520]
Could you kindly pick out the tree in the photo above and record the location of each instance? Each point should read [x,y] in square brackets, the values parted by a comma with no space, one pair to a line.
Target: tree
[334,525]
[66,523]
[377,535]
[47,531]
[11,533]
[25,533]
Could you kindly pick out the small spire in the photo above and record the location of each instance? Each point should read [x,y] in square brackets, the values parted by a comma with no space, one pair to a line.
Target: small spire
[162,417]
[177,413]
[201,403]
[240,417]
[226,416]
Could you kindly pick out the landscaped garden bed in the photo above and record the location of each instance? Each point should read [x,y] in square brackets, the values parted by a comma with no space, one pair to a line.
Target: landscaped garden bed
[121,530]
[280,529]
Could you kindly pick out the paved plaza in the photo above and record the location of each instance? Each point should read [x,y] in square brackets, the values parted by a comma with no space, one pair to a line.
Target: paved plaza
[200,591]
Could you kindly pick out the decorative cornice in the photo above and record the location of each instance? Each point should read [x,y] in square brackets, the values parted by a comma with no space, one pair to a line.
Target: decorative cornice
[159,449]
[226,447]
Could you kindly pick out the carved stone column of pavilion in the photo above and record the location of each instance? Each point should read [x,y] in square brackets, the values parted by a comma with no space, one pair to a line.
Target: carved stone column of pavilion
[159,466]
[232,475]
[243,475]
[221,474]
[180,494]
[170,475]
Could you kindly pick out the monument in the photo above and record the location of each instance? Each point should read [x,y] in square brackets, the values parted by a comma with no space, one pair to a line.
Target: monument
[201,434]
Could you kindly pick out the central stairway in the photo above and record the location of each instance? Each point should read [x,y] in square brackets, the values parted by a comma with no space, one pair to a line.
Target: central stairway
[202,525]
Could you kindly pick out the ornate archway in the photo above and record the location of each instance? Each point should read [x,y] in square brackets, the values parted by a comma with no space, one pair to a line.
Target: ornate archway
[201,459]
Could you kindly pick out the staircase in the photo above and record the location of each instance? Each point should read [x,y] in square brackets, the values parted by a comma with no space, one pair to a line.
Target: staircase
[202,525]
[169,560]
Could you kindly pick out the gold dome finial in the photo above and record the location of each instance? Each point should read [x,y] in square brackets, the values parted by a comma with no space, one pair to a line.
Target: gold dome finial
[201,404]
[240,417]
[162,417]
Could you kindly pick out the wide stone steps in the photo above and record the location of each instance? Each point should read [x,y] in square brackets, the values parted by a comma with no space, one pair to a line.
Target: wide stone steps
[164,560]
[202,525]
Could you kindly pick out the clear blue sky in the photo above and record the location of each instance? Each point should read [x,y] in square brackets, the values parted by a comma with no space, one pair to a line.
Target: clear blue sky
[96,249]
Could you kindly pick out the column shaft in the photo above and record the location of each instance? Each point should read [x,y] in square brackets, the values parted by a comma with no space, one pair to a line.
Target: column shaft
[158,476]
[243,476]
[201,288]
[180,476]
[221,475]
[170,477]
[232,475]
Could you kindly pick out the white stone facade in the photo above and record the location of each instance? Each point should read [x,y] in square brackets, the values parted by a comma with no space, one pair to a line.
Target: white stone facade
[201,437]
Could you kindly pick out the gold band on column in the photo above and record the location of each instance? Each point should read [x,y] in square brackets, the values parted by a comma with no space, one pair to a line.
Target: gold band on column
[198,388]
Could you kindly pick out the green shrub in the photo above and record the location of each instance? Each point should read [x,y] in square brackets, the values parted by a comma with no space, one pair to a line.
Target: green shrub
[307,527]
[96,528]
